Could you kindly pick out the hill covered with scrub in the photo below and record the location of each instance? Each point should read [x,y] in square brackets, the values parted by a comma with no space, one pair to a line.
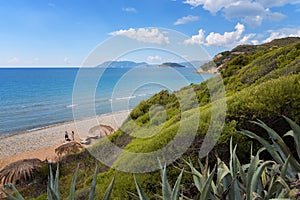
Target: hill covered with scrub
[261,82]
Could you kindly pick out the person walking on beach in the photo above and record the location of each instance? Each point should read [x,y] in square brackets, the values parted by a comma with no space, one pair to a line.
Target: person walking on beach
[67,136]
[73,135]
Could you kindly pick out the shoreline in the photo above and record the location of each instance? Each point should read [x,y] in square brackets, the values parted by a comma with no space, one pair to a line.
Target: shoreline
[6,135]
[33,142]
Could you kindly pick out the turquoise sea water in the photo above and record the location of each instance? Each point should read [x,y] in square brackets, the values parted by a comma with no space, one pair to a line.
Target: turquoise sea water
[35,98]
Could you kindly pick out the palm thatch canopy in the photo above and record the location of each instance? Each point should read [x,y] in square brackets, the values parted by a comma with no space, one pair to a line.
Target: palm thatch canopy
[20,171]
[70,147]
[101,130]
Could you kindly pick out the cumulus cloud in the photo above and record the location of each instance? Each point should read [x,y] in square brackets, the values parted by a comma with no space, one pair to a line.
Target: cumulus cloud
[211,5]
[287,32]
[250,12]
[154,59]
[227,39]
[129,9]
[187,19]
[147,35]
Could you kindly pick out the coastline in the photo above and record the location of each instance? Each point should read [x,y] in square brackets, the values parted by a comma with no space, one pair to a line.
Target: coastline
[37,143]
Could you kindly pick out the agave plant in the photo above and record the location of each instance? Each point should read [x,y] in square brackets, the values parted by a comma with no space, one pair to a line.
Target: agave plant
[259,179]
[282,154]
[167,192]
[53,192]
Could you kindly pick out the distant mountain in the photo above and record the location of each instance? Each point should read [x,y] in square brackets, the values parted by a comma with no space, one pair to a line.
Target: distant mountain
[169,64]
[121,64]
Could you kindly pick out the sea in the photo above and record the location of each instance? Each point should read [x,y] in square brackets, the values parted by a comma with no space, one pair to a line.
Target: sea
[33,98]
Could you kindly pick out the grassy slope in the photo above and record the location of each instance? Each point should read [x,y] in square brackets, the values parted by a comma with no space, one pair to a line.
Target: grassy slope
[262,82]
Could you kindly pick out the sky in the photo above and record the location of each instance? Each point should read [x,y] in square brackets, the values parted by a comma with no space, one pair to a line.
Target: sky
[65,32]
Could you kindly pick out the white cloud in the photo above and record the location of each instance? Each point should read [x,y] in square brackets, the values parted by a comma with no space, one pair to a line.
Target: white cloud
[242,9]
[147,35]
[277,3]
[129,9]
[187,19]
[250,12]
[286,32]
[13,60]
[211,5]
[154,59]
[196,39]
[228,39]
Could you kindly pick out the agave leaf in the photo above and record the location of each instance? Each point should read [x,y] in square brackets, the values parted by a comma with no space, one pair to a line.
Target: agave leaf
[242,172]
[256,177]
[296,133]
[225,190]
[9,196]
[51,179]
[166,189]
[142,194]
[266,144]
[283,183]
[109,190]
[289,133]
[94,181]
[49,196]
[264,178]
[53,194]
[56,182]
[281,147]
[17,193]
[197,176]
[285,167]
[176,189]
[207,185]
[73,184]
[134,196]
[253,165]
[222,171]
[233,163]
[278,185]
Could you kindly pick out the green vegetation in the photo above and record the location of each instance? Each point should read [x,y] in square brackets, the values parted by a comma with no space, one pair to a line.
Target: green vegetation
[53,189]
[261,82]
[258,179]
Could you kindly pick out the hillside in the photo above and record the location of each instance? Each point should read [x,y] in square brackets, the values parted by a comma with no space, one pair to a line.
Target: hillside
[261,82]
[223,58]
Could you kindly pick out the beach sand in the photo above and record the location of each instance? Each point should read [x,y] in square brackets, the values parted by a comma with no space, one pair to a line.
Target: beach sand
[42,143]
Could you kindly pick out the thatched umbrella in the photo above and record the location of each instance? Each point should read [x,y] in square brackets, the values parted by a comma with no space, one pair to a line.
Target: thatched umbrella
[105,129]
[19,171]
[70,147]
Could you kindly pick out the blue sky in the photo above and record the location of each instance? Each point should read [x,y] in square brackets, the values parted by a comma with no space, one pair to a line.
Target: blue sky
[64,32]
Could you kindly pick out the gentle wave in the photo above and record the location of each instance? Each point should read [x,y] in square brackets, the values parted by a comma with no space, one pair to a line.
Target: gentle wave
[72,106]
[124,98]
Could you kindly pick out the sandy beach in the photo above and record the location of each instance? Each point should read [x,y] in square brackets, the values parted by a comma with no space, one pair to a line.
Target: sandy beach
[42,143]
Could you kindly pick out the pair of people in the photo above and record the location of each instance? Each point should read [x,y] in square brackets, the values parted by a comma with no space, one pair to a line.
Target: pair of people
[67,136]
